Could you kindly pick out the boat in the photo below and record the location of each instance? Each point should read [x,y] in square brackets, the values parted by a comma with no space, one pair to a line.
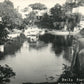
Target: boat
[33,39]
[31,32]
[11,36]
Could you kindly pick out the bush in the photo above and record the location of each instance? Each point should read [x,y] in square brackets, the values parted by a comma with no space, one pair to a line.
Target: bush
[6,73]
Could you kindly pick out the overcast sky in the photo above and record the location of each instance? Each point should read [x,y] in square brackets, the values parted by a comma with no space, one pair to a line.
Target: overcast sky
[24,3]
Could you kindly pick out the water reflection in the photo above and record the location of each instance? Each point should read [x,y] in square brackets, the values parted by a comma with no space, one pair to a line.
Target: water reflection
[1,55]
[47,38]
[58,40]
[37,45]
[42,58]
[68,53]
[59,43]
[12,46]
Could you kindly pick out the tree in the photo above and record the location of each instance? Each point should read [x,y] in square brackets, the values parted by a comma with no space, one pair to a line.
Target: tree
[33,16]
[57,12]
[3,34]
[6,73]
[11,17]
[72,20]
[54,20]
[30,19]
[68,7]
[58,16]
[46,21]
[38,6]
[81,3]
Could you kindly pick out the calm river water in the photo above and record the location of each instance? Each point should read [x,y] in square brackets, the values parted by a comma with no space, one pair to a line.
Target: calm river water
[36,62]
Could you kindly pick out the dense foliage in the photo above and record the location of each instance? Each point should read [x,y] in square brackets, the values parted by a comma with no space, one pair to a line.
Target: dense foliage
[46,21]
[55,19]
[10,16]
[59,17]
[10,19]
[30,19]
[3,34]
[6,73]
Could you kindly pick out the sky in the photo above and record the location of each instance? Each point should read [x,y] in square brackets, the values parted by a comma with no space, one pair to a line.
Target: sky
[25,3]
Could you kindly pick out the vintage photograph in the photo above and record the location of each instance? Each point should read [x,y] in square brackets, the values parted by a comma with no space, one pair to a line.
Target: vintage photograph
[41,41]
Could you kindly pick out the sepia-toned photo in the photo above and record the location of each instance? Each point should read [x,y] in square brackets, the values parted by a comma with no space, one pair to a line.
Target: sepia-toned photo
[41,41]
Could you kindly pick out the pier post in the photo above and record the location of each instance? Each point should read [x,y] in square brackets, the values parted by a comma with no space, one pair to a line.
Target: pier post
[1,48]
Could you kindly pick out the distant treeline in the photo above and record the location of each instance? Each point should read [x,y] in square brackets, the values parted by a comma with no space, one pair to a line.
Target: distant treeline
[59,17]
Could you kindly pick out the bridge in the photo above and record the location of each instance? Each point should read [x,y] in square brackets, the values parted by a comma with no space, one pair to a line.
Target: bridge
[57,32]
